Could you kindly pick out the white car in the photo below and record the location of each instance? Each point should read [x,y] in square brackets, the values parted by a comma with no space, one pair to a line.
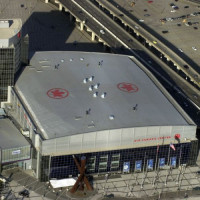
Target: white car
[180,50]
[102,31]
[194,48]
[141,20]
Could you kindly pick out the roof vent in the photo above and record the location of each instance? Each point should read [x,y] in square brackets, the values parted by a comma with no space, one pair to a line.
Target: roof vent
[91,78]
[45,66]
[62,60]
[103,95]
[81,59]
[31,67]
[42,61]
[56,66]
[111,117]
[88,111]
[95,94]
[96,86]
[91,88]
[39,70]
[91,126]
[135,107]
[78,117]
[71,59]
[85,80]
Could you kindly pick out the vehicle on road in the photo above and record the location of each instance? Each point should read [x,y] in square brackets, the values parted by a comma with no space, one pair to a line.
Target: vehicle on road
[102,31]
[194,48]
[155,42]
[186,66]
[182,52]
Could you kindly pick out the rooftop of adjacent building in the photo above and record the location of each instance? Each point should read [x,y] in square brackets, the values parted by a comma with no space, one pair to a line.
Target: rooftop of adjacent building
[9,28]
[10,136]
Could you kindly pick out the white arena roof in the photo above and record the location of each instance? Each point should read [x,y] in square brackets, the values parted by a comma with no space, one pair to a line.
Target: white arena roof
[70,93]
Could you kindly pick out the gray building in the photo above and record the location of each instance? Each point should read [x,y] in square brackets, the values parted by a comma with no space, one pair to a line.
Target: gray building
[109,108]
[10,53]
[15,150]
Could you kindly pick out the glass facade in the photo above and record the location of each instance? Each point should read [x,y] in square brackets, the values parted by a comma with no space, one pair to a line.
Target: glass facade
[10,62]
[120,161]
[7,65]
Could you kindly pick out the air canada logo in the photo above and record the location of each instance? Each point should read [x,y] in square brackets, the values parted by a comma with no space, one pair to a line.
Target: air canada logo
[127,87]
[57,93]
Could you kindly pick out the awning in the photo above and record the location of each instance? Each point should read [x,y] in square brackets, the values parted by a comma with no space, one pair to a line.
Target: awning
[63,182]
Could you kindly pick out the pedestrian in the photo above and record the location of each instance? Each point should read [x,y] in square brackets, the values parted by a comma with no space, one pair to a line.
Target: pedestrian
[186,195]
[106,177]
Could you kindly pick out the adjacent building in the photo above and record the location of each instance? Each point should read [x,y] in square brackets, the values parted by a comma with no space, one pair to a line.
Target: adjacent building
[10,53]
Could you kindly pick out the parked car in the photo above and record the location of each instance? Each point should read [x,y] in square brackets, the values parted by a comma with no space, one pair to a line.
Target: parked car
[186,66]
[102,31]
[194,48]
[24,193]
[180,50]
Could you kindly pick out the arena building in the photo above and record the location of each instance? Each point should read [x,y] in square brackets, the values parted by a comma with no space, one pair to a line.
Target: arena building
[107,107]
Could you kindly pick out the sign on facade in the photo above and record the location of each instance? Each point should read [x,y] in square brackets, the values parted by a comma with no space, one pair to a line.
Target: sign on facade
[173,161]
[150,164]
[16,152]
[138,165]
[126,167]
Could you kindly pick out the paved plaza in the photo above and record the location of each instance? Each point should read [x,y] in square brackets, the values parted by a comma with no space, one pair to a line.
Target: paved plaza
[163,184]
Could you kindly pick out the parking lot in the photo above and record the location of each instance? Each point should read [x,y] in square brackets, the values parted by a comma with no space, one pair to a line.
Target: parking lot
[176,21]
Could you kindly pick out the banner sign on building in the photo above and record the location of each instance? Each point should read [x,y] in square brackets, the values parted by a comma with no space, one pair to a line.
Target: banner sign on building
[173,161]
[162,162]
[16,152]
[126,167]
[138,165]
[150,164]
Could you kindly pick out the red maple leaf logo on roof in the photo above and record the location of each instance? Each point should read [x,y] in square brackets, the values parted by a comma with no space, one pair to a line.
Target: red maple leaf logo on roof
[57,93]
[127,87]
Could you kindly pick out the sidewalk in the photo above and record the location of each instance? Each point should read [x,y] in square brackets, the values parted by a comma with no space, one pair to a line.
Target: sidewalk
[166,185]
